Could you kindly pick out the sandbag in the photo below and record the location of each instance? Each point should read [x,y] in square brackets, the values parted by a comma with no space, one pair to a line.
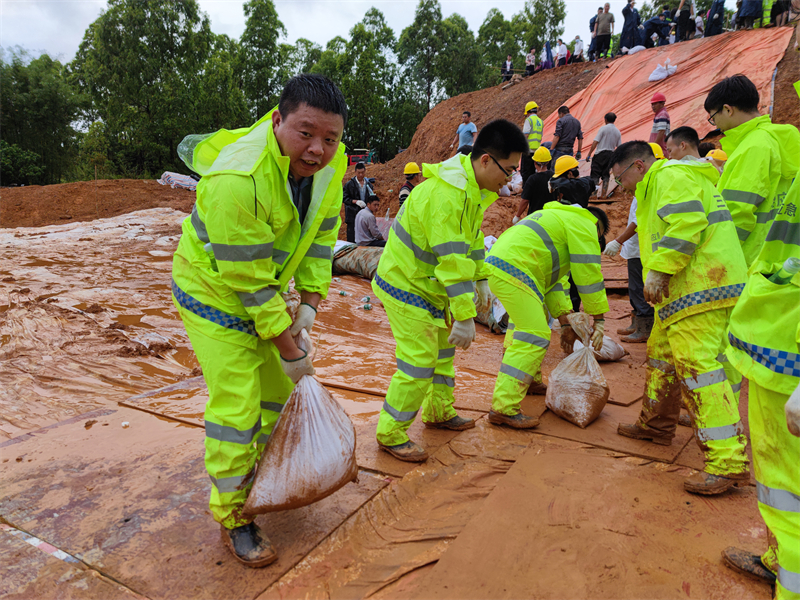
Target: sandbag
[357,260]
[494,315]
[577,390]
[610,352]
[662,72]
[310,454]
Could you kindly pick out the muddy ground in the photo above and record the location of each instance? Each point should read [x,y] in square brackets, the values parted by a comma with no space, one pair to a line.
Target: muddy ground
[104,491]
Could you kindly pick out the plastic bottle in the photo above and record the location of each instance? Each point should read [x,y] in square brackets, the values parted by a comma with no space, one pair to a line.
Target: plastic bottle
[368,307]
[788,270]
[343,293]
[365,299]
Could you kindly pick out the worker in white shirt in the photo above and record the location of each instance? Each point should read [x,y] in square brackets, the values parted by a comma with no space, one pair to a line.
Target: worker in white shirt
[577,51]
[561,54]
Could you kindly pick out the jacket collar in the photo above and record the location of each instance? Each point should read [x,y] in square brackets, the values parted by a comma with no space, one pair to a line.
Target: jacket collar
[733,137]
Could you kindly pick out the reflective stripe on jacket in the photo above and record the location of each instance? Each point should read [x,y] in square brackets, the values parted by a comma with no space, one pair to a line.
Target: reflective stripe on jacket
[244,240]
[435,248]
[544,247]
[763,159]
[685,229]
[535,134]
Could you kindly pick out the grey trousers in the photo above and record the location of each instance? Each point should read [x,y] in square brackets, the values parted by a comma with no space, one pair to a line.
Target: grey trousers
[636,289]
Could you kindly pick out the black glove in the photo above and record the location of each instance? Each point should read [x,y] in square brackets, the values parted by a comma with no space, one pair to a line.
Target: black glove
[577,156]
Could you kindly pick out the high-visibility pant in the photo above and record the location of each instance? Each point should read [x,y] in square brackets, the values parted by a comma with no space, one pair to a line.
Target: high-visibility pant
[530,337]
[682,365]
[247,389]
[425,377]
[777,471]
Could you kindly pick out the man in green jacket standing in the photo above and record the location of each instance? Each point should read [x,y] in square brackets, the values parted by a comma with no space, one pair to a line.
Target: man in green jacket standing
[426,281]
[694,273]
[267,210]
[763,159]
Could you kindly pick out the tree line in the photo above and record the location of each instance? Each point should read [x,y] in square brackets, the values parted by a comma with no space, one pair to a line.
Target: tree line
[149,72]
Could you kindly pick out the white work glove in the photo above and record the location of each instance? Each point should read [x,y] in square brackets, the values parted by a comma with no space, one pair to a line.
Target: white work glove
[305,319]
[716,16]
[361,203]
[612,248]
[656,287]
[597,334]
[482,289]
[462,334]
[515,220]
[298,367]
[677,14]
[641,27]
[792,410]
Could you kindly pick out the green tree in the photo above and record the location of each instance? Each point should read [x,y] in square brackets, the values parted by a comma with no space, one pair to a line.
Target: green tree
[261,56]
[459,60]
[306,54]
[419,46]
[222,102]
[330,60]
[497,39]
[38,109]
[538,22]
[140,62]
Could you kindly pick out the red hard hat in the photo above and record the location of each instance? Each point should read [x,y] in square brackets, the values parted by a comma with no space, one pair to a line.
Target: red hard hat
[658,97]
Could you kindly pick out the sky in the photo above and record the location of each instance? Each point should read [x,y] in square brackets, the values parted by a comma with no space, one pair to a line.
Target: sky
[56,27]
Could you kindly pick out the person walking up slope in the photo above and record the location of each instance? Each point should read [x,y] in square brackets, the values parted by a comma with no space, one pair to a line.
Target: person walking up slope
[426,281]
[694,272]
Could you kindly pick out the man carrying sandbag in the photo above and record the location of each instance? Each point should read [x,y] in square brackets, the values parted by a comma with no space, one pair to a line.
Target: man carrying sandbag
[426,277]
[694,273]
[529,265]
[267,209]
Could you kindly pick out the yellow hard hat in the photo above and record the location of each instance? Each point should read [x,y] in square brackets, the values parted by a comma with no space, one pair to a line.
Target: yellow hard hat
[657,150]
[411,168]
[718,154]
[564,164]
[530,106]
[542,155]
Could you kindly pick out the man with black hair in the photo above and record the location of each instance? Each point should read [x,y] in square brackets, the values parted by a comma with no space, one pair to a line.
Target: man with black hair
[507,69]
[530,266]
[591,53]
[605,142]
[426,281]
[683,143]
[367,232]
[568,129]
[694,272]
[267,211]
[763,159]
[466,132]
[356,192]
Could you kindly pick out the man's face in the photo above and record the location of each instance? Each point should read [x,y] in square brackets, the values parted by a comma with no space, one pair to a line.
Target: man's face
[629,175]
[309,137]
[373,206]
[677,151]
[417,179]
[508,58]
[657,106]
[493,173]
[722,118]
[465,118]
[599,11]
[360,174]
[606,7]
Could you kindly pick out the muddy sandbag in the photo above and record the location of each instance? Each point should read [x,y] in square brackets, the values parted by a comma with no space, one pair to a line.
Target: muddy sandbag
[610,352]
[310,454]
[357,260]
[577,390]
[494,315]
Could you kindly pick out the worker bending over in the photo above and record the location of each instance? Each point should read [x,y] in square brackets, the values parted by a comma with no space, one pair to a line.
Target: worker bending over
[764,335]
[267,210]
[694,272]
[528,267]
[426,278]
[763,159]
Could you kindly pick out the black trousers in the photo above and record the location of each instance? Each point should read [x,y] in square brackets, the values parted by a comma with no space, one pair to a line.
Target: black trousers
[574,296]
[378,243]
[351,232]
[636,289]
[527,168]
[603,43]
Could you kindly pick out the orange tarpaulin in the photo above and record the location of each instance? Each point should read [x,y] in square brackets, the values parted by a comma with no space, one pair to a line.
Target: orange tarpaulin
[623,88]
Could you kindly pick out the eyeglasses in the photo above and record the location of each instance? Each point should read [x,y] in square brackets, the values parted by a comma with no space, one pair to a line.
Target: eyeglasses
[499,166]
[711,118]
[617,179]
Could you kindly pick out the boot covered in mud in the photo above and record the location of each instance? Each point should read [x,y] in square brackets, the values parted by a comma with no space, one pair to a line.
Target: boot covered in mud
[407,452]
[634,431]
[630,328]
[517,421]
[537,388]
[644,325]
[249,545]
[707,484]
[455,424]
[747,563]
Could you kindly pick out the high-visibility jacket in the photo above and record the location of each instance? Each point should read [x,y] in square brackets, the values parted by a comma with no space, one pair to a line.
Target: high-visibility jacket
[765,325]
[686,229]
[244,240]
[540,251]
[435,248]
[535,134]
[763,159]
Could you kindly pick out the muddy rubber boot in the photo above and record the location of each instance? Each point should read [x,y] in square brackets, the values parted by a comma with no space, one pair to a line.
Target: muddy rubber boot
[635,432]
[455,424]
[249,545]
[747,563]
[537,388]
[644,325]
[518,421]
[408,452]
[707,484]
[685,421]
[630,328]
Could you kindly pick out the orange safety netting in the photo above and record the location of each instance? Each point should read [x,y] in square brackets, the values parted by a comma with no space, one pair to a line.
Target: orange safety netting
[623,88]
